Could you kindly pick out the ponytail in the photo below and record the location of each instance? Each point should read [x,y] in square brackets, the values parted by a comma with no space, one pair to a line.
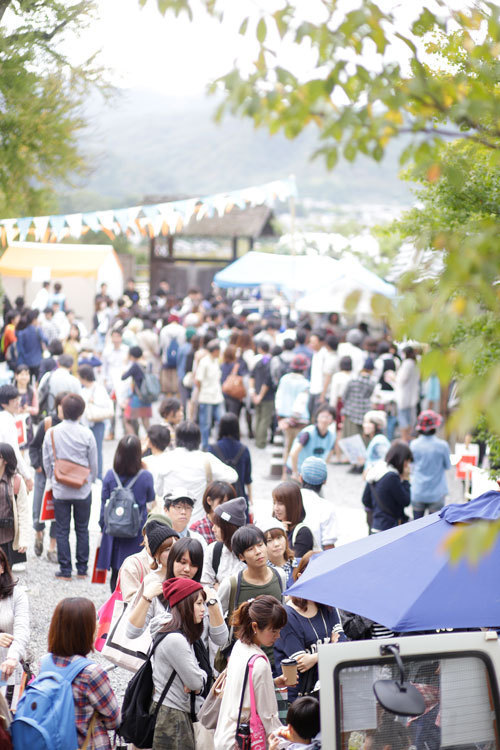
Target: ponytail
[264,610]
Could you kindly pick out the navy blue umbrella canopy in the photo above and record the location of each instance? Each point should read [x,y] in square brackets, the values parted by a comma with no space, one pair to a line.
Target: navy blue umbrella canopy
[403,579]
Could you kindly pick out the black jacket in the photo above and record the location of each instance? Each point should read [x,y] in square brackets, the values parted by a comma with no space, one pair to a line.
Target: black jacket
[36,445]
[387,498]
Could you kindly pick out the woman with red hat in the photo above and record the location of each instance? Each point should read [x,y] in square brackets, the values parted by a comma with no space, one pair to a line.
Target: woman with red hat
[175,654]
[150,606]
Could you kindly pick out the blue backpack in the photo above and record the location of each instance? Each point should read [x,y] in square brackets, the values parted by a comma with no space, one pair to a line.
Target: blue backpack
[171,354]
[45,715]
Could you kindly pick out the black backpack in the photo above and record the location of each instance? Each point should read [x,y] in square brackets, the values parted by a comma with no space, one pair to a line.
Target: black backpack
[122,515]
[138,724]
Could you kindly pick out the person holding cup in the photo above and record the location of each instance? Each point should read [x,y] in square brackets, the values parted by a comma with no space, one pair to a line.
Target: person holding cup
[257,624]
[308,625]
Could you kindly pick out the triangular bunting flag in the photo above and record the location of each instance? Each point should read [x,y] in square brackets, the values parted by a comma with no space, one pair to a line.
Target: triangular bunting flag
[74,222]
[41,223]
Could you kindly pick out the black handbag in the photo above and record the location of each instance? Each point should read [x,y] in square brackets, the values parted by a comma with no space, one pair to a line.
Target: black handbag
[138,724]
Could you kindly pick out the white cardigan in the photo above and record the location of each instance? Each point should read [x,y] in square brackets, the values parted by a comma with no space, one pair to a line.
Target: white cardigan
[265,697]
[15,619]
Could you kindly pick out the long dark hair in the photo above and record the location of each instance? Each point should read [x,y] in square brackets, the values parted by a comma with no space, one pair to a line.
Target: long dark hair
[7,581]
[128,457]
[8,455]
[183,618]
[195,551]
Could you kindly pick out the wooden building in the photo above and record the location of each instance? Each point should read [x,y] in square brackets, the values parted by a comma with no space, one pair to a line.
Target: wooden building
[191,257]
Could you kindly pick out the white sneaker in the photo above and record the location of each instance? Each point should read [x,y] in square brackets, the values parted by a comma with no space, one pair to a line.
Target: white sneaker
[18,567]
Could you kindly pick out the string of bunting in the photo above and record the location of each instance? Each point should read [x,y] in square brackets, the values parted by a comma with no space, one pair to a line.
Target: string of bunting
[149,220]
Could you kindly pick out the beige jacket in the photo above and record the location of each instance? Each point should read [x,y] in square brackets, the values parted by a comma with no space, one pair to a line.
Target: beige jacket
[21,517]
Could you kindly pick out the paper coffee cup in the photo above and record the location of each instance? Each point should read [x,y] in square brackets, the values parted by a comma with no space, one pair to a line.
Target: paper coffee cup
[289,669]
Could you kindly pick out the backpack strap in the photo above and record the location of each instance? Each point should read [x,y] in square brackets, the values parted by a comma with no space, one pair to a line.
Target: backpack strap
[280,580]
[296,531]
[234,594]
[119,484]
[67,673]
[47,423]
[134,479]
[217,556]
[238,455]
[219,453]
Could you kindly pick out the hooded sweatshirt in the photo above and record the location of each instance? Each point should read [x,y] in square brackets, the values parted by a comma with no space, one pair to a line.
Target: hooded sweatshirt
[386,496]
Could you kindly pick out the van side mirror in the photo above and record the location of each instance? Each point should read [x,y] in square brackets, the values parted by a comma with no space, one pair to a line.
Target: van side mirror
[398,696]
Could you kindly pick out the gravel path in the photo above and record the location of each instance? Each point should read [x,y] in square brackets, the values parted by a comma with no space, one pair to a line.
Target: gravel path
[342,489]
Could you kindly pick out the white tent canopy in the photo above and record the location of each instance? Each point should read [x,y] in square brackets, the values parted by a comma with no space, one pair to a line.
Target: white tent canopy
[295,273]
[324,281]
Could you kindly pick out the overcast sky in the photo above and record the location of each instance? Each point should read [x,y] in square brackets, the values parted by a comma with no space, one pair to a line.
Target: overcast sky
[176,57]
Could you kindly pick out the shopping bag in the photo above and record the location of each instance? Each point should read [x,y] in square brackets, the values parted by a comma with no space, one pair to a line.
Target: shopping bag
[47,510]
[105,616]
[98,575]
[129,653]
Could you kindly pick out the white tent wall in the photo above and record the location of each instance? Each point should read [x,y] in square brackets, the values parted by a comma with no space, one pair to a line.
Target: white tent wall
[80,293]
[111,273]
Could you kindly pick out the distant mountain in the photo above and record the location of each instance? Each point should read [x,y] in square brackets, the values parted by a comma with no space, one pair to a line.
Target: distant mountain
[142,143]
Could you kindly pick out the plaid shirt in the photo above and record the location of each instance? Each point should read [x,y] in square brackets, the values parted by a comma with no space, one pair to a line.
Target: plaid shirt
[357,398]
[204,527]
[92,692]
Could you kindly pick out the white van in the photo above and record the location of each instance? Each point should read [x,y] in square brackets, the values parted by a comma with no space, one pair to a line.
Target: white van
[450,686]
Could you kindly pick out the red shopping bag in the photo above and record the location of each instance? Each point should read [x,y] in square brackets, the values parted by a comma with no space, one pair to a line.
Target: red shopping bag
[98,575]
[47,510]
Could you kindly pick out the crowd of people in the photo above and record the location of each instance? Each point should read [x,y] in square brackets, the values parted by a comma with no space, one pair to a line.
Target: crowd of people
[201,567]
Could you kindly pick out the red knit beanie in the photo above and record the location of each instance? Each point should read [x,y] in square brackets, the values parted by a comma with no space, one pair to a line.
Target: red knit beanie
[176,589]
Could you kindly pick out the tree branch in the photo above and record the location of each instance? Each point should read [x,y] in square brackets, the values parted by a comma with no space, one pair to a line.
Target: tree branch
[4,4]
[451,134]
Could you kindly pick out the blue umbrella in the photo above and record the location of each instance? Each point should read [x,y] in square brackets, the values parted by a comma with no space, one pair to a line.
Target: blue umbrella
[403,579]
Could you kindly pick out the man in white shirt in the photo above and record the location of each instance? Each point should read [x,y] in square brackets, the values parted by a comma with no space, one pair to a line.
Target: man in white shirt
[191,468]
[114,360]
[41,298]
[210,398]
[9,401]
[317,344]
[351,347]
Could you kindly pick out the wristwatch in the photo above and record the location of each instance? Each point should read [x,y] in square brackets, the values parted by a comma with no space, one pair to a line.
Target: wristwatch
[211,602]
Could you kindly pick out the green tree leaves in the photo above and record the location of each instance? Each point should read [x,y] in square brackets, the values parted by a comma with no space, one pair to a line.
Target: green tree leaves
[40,97]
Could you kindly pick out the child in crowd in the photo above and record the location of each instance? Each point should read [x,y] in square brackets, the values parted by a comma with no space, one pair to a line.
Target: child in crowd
[302,730]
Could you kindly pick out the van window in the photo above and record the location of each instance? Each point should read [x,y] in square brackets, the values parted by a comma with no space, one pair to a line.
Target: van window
[461,706]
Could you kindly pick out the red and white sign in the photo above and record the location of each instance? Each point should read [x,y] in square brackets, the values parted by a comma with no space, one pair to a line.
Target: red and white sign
[47,510]
[21,429]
